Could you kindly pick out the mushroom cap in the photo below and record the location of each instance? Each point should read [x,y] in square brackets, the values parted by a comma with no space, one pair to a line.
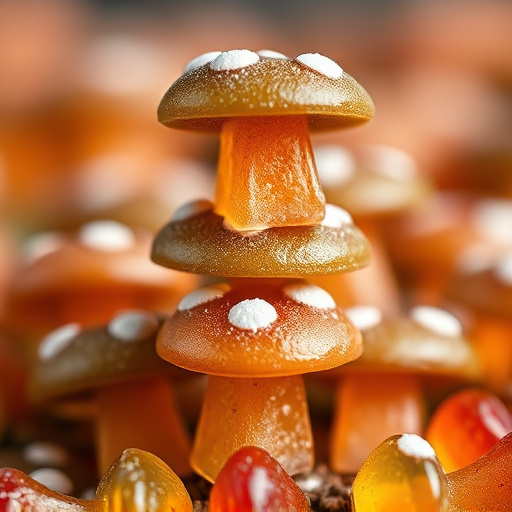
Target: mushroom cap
[71,360]
[105,264]
[240,83]
[486,290]
[428,341]
[198,242]
[274,328]
[373,181]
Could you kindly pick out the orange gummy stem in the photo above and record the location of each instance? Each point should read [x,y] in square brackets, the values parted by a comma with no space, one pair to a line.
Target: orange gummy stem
[267,175]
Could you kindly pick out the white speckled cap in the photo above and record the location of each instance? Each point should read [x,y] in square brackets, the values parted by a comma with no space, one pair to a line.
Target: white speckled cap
[245,83]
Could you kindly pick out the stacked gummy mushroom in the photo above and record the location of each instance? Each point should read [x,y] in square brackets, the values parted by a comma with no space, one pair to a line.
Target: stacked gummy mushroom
[267,229]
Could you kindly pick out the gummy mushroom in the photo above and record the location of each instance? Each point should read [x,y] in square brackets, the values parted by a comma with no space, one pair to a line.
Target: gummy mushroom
[484,290]
[384,391]
[87,277]
[263,104]
[254,338]
[129,383]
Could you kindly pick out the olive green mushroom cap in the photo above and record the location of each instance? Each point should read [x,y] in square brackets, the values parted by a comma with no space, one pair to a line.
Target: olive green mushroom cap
[427,341]
[73,360]
[220,85]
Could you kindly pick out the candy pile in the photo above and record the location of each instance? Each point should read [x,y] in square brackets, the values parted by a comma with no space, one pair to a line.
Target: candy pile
[232,380]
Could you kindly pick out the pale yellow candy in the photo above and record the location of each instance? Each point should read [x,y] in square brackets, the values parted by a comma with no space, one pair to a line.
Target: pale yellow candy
[140,481]
[401,474]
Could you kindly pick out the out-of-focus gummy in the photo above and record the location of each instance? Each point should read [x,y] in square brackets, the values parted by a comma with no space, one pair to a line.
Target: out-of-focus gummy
[466,426]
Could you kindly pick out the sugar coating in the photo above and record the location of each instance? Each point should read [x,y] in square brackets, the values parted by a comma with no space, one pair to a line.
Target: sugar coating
[57,340]
[41,245]
[322,64]
[437,320]
[107,235]
[133,326]
[192,208]
[54,479]
[259,485]
[335,165]
[201,60]
[492,219]
[234,59]
[503,270]
[336,217]
[252,314]
[310,295]
[203,295]
[45,453]
[271,54]
[415,446]
[364,317]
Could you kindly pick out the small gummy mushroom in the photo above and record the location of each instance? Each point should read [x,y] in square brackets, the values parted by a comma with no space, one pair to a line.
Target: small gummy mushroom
[402,473]
[332,246]
[383,392]
[466,426]
[263,105]
[130,385]
[87,277]
[484,485]
[20,493]
[138,480]
[255,338]
[252,480]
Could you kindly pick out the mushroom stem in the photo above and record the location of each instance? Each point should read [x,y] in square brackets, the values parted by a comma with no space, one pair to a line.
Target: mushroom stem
[368,410]
[270,413]
[141,414]
[267,175]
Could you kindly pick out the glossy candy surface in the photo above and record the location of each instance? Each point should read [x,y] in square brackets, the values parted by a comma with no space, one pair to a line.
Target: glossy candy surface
[401,474]
[241,83]
[252,480]
[486,484]
[20,493]
[271,413]
[259,328]
[267,175]
[140,481]
[466,426]
[200,243]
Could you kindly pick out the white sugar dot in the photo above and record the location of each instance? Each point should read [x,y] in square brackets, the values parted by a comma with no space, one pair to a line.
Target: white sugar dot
[335,165]
[503,270]
[322,64]
[45,453]
[310,295]
[53,479]
[201,60]
[336,217]
[437,320]
[389,161]
[57,341]
[415,446]
[133,326]
[234,59]
[203,295]
[42,244]
[364,317]
[107,236]
[252,314]
[271,54]
[492,219]
[192,208]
